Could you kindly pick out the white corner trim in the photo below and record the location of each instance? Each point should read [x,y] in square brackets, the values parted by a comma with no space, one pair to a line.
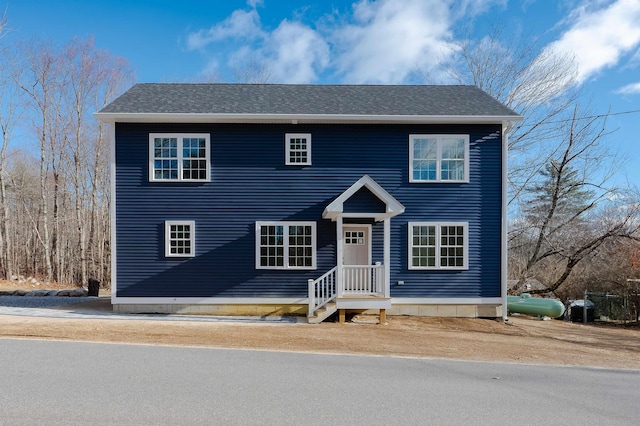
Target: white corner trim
[112,212]
[504,223]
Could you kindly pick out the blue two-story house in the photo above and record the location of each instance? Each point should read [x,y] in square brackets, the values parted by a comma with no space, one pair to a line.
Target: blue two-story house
[305,199]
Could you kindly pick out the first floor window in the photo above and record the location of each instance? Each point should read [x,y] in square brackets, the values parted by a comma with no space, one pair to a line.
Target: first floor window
[298,149]
[438,158]
[179,238]
[438,245]
[179,157]
[285,245]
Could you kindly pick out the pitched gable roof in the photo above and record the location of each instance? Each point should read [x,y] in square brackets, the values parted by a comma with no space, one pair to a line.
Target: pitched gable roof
[393,206]
[269,102]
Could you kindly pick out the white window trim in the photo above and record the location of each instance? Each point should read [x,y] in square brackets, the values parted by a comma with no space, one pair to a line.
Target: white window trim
[179,136]
[167,237]
[286,225]
[439,158]
[287,148]
[438,226]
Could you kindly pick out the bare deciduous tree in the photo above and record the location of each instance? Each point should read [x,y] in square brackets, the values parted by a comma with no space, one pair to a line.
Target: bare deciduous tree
[572,211]
[253,72]
[534,81]
[61,223]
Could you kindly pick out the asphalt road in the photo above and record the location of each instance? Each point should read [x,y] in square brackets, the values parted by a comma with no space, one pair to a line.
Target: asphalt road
[71,383]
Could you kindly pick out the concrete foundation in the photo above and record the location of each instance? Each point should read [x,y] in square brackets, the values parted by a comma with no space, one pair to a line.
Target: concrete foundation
[456,311]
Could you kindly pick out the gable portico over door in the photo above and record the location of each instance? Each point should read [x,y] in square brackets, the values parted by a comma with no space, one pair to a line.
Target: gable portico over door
[364,200]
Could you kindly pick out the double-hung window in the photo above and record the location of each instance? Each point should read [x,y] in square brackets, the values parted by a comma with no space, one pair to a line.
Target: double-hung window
[180,237]
[297,149]
[285,245]
[179,157]
[438,245]
[439,158]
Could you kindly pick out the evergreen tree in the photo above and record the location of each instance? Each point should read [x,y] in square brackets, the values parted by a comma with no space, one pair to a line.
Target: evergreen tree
[560,198]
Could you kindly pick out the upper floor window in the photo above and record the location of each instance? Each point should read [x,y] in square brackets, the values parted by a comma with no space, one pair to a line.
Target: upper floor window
[438,245]
[438,158]
[285,245]
[179,157]
[298,149]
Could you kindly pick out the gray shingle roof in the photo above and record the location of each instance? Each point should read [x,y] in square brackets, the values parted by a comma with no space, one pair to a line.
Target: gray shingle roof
[284,99]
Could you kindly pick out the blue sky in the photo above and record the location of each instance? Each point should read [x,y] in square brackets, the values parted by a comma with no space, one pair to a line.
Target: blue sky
[350,41]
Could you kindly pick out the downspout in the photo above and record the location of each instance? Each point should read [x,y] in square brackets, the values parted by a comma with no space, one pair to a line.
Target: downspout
[504,218]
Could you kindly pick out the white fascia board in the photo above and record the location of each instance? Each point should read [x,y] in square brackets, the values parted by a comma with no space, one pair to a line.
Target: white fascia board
[108,117]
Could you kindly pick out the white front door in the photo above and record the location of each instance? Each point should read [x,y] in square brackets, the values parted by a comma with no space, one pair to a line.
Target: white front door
[356,272]
[356,248]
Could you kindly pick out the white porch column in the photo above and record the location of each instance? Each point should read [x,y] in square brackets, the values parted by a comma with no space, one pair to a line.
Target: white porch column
[339,255]
[387,257]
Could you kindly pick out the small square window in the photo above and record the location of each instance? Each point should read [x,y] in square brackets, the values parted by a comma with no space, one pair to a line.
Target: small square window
[179,238]
[297,149]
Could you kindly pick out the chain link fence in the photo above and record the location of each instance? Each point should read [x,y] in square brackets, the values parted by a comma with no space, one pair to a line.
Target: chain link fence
[607,307]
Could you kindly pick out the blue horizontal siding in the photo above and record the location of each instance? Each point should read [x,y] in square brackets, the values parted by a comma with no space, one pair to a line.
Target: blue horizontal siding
[364,201]
[251,183]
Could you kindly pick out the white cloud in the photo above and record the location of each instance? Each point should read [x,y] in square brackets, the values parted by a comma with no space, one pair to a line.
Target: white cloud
[293,52]
[600,36]
[255,3]
[378,41]
[242,24]
[296,52]
[391,38]
[629,89]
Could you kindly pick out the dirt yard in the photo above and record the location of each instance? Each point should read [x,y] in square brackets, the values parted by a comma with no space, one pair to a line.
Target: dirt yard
[522,339]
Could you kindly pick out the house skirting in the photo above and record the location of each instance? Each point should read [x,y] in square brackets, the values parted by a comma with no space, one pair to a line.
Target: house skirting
[419,309]
[451,311]
[222,310]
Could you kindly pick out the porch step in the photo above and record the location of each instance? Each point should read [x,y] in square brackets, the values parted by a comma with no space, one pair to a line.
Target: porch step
[323,313]
[355,301]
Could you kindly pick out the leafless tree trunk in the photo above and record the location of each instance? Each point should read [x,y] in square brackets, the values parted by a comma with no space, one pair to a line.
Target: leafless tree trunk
[571,212]
[65,235]
[537,83]
[39,85]
[9,113]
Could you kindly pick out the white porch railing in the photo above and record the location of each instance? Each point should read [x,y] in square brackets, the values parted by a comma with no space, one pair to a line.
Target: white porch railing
[363,279]
[322,291]
[359,280]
